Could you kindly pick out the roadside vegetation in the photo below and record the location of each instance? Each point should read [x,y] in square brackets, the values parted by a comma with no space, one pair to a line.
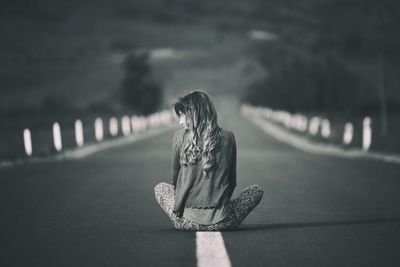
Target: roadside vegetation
[139,91]
[62,60]
[335,58]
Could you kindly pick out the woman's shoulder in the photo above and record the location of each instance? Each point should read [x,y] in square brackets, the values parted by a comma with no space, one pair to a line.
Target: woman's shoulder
[228,135]
[226,132]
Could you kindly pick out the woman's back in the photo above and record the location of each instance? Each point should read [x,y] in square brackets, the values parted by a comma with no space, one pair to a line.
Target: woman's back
[194,187]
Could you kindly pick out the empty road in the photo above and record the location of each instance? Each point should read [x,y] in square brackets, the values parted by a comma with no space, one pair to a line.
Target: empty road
[100,210]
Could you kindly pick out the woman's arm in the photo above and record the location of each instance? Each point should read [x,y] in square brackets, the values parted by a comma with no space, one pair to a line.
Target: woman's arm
[175,163]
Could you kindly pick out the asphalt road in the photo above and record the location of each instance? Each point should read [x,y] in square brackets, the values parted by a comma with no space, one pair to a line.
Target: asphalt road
[100,210]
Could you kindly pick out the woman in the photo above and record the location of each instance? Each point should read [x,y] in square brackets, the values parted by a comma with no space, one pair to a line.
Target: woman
[204,172]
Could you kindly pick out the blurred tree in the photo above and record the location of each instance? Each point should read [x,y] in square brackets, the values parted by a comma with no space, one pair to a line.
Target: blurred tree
[139,91]
[57,102]
[362,31]
[331,55]
[299,85]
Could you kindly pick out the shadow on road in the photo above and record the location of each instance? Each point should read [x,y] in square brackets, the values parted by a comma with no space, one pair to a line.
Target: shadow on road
[254,227]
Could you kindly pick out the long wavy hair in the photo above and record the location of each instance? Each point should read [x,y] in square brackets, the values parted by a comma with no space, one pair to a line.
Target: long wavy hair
[203,130]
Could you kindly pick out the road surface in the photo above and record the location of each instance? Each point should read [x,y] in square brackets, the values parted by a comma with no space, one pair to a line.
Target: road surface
[100,210]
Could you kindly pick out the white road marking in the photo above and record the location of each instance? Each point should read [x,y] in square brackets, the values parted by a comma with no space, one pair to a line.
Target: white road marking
[210,250]
[306,145]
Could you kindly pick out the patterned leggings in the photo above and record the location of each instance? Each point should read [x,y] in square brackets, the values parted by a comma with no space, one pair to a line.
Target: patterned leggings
[240,207]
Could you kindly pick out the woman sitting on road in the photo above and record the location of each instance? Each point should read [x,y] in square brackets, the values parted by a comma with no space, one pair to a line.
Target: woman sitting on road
[204,172]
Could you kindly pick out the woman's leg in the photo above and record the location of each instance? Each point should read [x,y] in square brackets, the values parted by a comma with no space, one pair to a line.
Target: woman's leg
[240,207]
[165,196]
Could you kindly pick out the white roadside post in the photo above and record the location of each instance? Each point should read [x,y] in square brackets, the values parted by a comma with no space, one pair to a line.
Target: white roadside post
[169,117]
[57,136]
[367,134]
[325,128]
[348,133]
[126,126]
[113,126]
[157,119]
[144,124]
[28,142]
[98,129]
[314,125]
[287,119]
[134,124]
[295,121]
[152,120]
[79,133]
[303,123]
[162,118]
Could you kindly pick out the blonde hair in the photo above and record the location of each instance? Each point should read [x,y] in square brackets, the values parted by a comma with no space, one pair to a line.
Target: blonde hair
[203,130]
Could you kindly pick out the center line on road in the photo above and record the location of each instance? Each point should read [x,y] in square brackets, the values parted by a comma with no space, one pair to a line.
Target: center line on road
[210,250]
